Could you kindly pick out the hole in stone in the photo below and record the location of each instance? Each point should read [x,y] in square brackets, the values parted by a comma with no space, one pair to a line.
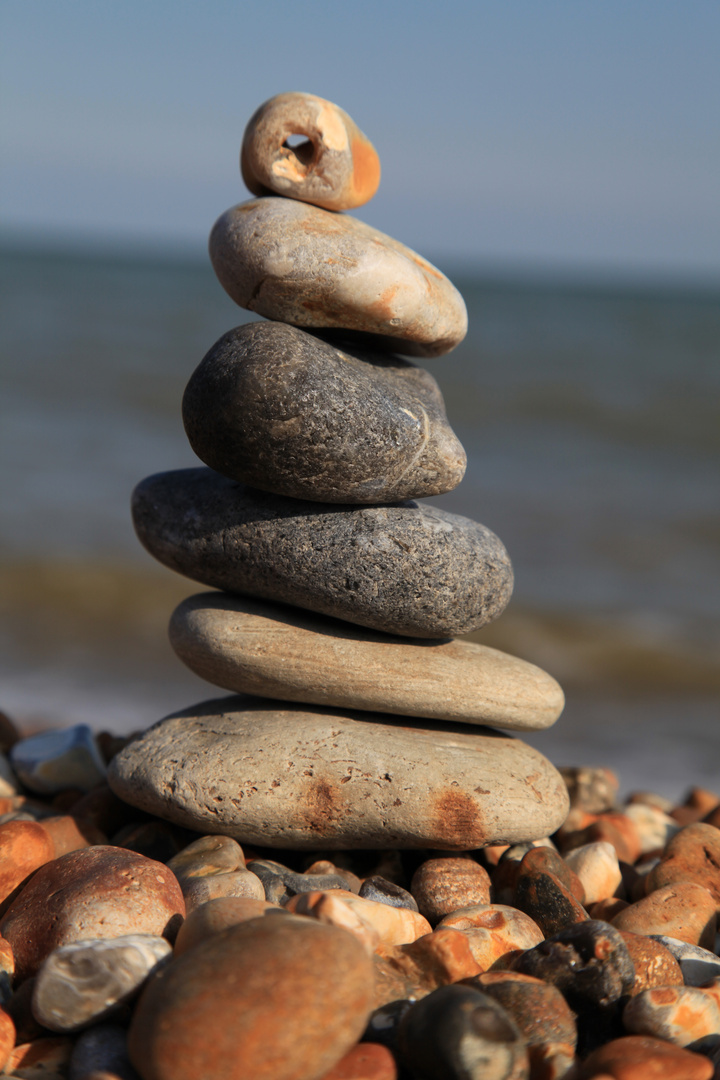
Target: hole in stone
[302,148]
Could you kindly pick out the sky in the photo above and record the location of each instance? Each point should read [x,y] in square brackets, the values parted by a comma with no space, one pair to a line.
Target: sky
[572,135]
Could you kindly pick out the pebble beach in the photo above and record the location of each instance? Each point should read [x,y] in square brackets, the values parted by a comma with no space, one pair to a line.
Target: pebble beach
[355,866]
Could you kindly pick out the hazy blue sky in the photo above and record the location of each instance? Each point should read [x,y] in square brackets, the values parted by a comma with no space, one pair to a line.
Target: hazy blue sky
[562,133]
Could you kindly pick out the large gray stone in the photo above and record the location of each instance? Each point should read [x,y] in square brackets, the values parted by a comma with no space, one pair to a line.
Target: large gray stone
[252,647]
[300,264]
[278,408]
[404,569]
[304,777]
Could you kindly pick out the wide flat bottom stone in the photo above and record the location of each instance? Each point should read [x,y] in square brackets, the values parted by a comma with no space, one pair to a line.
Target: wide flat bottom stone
[304,777]
[273,650]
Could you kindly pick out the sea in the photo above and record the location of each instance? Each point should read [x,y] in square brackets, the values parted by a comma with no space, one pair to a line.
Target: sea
[590,412]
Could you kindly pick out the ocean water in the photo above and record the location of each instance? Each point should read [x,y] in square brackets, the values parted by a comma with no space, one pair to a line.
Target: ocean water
[591,418]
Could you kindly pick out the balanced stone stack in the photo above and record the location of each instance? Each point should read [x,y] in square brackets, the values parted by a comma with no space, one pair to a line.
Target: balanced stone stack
[360,720]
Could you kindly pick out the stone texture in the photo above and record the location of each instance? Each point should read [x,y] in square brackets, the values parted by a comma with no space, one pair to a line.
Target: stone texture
[685,911]
[253,647]
[387,892]
[495,932]
[654,964]
[239,883]
[101,1054]
[693,854]
[216,915]
[638,1057]
[280,409]
[305,778]
[597,867]
[336,167]
[366,1061]
[83,983]
[24,846]
[7,1037]
[273,998]
[679,1014]
[592,790]
[395,926]
[403,569]
[441,886]
[206,856]
[98,892]
[40,1059]
[698,965]
[537,1007]
[302,265]
[458,1032]
[69,833]
[330,908]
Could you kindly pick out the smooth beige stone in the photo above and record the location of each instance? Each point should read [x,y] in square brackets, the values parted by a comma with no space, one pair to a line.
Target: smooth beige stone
[336,167]
[306,778]
[679,1014]
[255,647]
[331,909]
[494,931]
[395,926]
[306,266]
[238,883]
[598,868]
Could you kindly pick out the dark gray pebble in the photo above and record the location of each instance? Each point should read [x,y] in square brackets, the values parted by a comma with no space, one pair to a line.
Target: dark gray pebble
[280,883]
[458,1033]
[387,892]
[405,569]
[101,1049]
[273,406]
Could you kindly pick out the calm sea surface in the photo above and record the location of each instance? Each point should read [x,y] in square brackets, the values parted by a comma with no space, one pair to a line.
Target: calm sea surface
[591,417]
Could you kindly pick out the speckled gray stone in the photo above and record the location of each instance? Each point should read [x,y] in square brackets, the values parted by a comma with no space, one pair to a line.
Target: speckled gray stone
[406,568]
[307,266]
[278,408]
[305,777]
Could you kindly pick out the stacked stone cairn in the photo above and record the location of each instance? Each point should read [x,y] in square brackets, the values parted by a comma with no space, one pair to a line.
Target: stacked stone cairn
[397,909]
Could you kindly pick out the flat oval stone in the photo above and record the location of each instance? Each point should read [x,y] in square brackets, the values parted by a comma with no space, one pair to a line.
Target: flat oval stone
[278,408]
[272,999]
[336,167]
[253,647]
[305,777]
[403,569]
[442,886]
[303,265]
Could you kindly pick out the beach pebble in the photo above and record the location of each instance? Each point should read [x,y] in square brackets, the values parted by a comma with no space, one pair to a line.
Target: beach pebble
[639,1057]
[280,883]
[335,166]
[299,778]
[679,1014]
[597,867]
[82,983]
[216,915]
[282,410]
[655,828]
[206,856]
[7,1037]
[330,908]
[404,569]
[693,854]
[24,846]
[237,883]
[302,265]
[98,892]
[616,829]
[411,971]
[366,1061]
[101,1054]
[588,962]
[395,926]
[272,998]
[495,932]
[55,760]
[45,1058]
[654,964]
[684,910]
[538,1008]
[70,834]
[387,892]
[441,886]
[591,790]
[546,899]
[698,965]
[458,1032]
[254,647]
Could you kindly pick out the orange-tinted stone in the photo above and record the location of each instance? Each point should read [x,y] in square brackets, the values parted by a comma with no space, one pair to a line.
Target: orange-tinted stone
[685,911]
[654,964]
[24,846]
[7,1037]
[366,1061]
[413,970]
[607,909]
[615,829]
[279,998]
[217,915]
[680,1014]
[70,834]
[639,1057]
[441,886]
[537,1007]
[495,932]
[693,854]
[47,1057]
[97,892]
[697,804]
[396,926]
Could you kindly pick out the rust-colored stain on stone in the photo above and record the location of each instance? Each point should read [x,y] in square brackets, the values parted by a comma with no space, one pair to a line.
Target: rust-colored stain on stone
[323,804]
[457,819]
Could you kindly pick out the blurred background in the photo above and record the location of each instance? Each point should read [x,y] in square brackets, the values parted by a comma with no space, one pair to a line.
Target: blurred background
[559,161]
